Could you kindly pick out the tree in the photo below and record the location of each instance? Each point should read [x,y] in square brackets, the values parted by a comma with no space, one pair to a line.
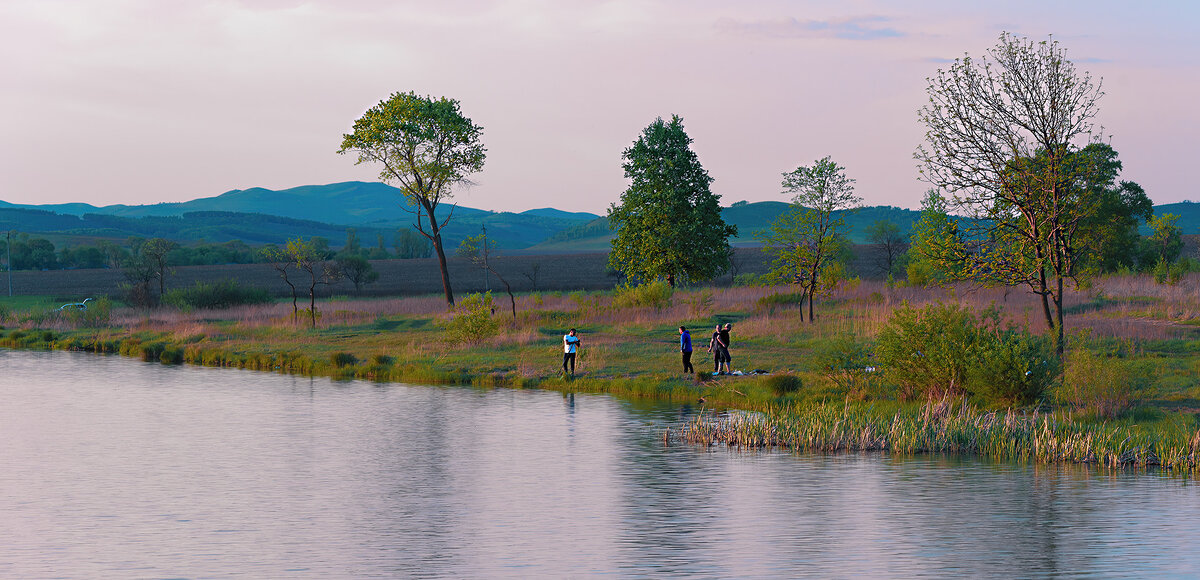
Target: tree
[807,240]
[426,147]
[1002,136]
[891,246]
[409,245]
[478,251]
[1112,230]
[356,269]
[309,257]
[154,252]
[1165,241]
[668,224]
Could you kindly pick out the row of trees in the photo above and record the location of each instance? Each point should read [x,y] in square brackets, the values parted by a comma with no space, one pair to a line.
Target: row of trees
[35,253]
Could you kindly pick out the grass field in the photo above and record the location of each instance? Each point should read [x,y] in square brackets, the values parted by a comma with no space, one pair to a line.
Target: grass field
[633,351]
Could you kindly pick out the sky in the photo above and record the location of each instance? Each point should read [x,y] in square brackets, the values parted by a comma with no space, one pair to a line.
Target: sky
[144,101]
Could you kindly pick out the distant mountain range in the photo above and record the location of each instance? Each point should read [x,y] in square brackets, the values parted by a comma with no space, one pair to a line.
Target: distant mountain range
[259,216]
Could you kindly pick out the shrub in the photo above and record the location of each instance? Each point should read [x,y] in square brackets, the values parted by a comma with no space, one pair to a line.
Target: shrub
[221,294]
[472,321]
[97,313]
[656,294]
[946,350]
[1100,385]
[5,313]
[343,359]
[382,360]
[846,362]
[783,384]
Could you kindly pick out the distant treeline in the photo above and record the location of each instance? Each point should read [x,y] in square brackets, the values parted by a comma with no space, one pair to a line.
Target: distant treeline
[36,253]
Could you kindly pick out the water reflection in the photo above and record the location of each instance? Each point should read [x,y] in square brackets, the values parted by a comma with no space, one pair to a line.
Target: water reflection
[113,467]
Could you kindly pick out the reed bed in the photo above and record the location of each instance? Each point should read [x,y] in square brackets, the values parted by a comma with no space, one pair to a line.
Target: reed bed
[946,427]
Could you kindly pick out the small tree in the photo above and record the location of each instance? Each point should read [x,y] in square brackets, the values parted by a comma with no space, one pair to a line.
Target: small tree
[356,269]
[1165,241]
[481,253]
[426,147]
[311,257]
[282,264]
[807,240]
[891,246]
[154,252]
[668,224]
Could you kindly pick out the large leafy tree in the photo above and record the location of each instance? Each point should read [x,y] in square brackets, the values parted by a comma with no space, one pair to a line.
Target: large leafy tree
[807,241]
[425,147]
[668,224]
[1003,133]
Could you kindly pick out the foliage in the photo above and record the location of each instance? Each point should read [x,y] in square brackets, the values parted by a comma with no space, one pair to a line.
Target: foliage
[478,251]
[946,350]
[410,245]
[845,361]
[343,359]
[668,224]
[892,247]
[1165,241]
[1003,139]
[655,294]
[1103,386]
[356,269]
[1110,233]
[807,240]
[471,321]
[222,294]
[425,147]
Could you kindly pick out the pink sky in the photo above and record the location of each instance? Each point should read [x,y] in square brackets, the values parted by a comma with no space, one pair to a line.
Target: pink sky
[143,101]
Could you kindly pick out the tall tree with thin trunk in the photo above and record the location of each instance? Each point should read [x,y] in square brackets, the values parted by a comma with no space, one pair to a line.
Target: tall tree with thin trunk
[1002,137]
[426,147]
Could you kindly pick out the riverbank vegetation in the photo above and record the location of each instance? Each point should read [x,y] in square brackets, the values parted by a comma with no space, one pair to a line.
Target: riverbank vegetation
[886,367]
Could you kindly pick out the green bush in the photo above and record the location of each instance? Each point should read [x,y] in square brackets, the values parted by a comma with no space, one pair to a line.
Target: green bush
[846,362]
[750,279]
[472,321]
[5,313]
[98,313]
[783,384]
[656,294]
[221,294]
[1100,385]
[343,359]
[946,350]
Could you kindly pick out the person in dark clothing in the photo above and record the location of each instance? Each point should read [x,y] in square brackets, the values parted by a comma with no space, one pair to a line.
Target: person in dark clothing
[717,347]
[685,346]
[724,336]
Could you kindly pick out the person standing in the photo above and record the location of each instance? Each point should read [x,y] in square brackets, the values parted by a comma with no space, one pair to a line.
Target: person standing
[717,348]
[723,334]
[570,343]
[685,346]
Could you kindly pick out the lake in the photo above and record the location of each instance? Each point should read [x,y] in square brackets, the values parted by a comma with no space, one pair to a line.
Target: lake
[115,468]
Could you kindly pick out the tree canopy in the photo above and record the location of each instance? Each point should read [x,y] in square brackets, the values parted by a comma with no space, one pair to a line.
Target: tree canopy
[1003,139]
[807,241]
[425,147]
[668,224]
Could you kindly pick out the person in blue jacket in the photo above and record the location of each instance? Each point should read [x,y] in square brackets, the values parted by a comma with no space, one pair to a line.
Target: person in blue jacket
[685,346]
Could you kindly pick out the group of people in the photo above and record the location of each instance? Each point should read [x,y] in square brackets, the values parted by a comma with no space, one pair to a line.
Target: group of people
[718,345]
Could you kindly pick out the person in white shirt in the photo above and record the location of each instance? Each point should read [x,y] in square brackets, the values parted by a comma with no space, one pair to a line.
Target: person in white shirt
[570,343]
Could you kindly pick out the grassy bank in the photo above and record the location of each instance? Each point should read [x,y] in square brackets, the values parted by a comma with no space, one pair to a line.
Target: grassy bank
[810,399]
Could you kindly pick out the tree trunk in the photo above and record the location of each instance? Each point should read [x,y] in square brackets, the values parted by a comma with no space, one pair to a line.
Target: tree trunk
[436,237]
[312,303]
[1060,342]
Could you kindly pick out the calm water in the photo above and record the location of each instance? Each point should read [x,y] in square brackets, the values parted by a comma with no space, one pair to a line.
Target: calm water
[113,468]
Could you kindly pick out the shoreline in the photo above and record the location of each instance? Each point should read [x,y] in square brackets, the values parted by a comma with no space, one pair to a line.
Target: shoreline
[932,427]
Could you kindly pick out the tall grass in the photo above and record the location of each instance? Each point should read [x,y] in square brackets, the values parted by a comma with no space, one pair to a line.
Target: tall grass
[944,427]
